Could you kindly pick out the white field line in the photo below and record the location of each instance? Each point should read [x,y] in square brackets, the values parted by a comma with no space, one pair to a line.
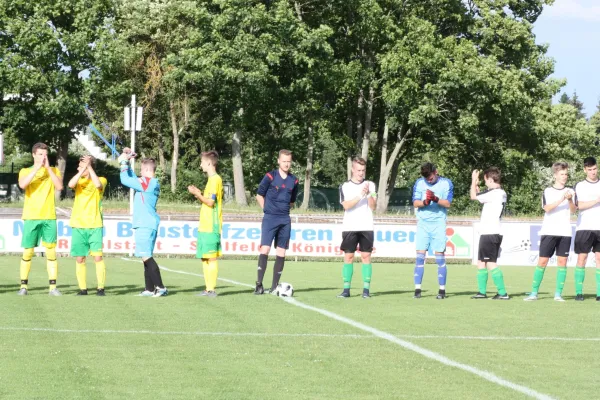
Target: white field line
[183,333]
[402,343]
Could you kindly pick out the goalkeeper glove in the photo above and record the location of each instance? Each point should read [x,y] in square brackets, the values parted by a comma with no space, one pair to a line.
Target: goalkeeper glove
[431,196]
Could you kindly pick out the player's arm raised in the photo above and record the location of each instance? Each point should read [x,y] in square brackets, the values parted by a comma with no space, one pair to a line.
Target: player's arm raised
[209,201]
[127,176]
[25,180]
[572,205]
[351,203]
[93,175]
[56,180]
[474,184]
[372,196]
[552,206]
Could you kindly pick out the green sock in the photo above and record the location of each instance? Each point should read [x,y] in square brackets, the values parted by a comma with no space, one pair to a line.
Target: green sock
[367,271]
[561,276]
[482,278]
[347,272]
[538,275]
[597,282]
[499,281]
[579,278]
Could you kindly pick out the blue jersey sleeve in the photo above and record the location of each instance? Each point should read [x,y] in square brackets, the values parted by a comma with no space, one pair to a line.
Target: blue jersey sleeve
[294,191]
[264,184]
[129,179]
[450,194]
[417,190]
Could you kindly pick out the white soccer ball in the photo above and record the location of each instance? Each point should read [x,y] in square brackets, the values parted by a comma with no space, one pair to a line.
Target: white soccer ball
[285,289]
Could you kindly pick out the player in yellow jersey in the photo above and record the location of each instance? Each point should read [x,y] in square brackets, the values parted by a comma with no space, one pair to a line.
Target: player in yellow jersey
[208,246]
[87,224]
[39,215]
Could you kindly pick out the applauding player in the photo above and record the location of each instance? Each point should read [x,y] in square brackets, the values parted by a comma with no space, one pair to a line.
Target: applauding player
[432,196]
[558,203]
[87,224]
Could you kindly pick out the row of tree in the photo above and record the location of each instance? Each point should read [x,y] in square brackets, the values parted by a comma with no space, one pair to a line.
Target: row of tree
[461,83]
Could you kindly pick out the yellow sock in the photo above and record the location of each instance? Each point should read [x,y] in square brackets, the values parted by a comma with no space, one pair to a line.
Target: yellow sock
[52,267]
[25,267]
[213,272]
[205,273]
[80,273]
[101,273]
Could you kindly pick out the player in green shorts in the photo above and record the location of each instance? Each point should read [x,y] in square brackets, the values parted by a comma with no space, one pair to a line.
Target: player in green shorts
[208,246]
[39,215]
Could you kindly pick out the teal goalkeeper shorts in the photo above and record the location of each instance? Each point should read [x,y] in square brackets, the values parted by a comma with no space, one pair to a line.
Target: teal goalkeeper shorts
[431,237]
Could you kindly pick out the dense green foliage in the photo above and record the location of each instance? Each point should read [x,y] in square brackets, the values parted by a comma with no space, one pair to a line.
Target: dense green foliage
[462,83]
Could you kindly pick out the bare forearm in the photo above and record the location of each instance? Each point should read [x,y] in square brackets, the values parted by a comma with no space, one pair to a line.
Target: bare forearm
[95,178]
[58,185]
[372,202]
[474,191]
[26,180]
[584,205]
[444,203]
[260,200]
[348,204]
[73,182]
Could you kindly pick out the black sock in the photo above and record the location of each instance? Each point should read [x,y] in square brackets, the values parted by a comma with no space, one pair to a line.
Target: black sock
[154,273]
[277,270]
[262,267]
[147,278]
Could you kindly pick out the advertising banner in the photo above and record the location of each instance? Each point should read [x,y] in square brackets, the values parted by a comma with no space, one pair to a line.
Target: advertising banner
[243,238]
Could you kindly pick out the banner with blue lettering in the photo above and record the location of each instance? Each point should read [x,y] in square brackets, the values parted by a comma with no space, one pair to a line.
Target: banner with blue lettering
[243,238]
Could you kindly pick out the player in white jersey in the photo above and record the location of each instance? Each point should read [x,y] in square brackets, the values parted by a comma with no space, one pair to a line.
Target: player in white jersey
[358,197]
[494,201]
[558,203]
[587,237]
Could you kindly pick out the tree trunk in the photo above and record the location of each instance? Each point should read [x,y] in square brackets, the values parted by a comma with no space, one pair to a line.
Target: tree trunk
[175,156]
[161,154]
[309,167]
[387,164]
[359,120]
[298,8]
[368,118]
[238,169]
[61,162]
[349,133]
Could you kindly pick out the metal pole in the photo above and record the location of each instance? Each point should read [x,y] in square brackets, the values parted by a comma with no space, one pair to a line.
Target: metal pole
[133,109]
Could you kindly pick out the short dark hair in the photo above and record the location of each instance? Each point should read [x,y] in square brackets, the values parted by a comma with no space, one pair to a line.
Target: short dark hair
[427,169]
[39,146]
[589,162]
[284,152]
[359,160]
[211,155]
[92,159]
[559,166]
[151,162]
[492,173]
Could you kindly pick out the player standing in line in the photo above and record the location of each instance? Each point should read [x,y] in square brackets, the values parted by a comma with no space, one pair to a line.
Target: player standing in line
[557,202]
[587,235]
[276,195]
[39,215]
[358,197]
[208,246]
[87,224]
[432,196]
[493,200]
[145,219]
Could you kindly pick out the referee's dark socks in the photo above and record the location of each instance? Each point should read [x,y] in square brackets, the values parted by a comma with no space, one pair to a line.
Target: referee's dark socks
[277,270]
[262,266]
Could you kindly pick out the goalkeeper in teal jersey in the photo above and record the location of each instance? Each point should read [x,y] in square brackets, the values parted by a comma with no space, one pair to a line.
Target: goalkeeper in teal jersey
[432,196]
[145,219]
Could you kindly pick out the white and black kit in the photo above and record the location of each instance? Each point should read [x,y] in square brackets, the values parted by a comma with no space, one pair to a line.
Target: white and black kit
[494,201]
[556,228]
[357,226]
[587,237]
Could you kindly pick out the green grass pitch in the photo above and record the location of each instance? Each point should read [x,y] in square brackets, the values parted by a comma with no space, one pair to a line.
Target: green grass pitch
[241,346]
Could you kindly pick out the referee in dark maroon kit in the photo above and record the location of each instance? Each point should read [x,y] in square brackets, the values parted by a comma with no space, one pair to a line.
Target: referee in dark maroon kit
[276,194]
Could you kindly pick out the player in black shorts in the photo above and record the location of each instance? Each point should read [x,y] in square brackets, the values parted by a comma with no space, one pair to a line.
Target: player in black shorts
[358,197]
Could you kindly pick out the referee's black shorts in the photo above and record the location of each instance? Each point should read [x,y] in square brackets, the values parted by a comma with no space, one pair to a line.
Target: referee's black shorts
[364,240]
[561,245]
